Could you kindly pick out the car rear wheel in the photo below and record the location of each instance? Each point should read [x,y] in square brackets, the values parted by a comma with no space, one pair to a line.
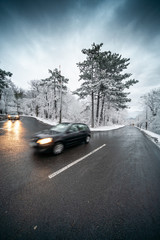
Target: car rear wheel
[87,140]
[58,148]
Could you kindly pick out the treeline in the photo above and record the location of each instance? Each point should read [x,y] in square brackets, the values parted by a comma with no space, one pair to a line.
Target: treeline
[150,118]
[102,92]
[9,93]
[46,95]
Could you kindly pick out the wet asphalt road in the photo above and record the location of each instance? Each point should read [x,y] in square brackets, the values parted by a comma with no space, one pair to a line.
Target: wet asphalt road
[112,194]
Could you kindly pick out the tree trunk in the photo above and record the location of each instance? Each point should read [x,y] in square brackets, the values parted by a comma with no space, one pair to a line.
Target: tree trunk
[92,114]
[55,107]
[97,112]
[101,115]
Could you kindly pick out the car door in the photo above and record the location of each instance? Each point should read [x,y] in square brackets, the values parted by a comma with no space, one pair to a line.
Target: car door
[72,135]
[82,132]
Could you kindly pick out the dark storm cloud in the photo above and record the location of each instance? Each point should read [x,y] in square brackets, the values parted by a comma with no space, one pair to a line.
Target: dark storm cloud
[143,15]
[35,10]
[44,16]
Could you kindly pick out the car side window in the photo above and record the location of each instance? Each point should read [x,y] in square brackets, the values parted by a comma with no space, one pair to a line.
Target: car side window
[73,129]
[82,127]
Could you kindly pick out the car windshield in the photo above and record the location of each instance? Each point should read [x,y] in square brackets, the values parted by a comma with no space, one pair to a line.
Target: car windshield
[13,113]
[62,127]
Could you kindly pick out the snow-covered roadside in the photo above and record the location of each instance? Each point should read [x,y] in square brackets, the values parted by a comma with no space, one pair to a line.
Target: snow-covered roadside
[50,122]
[106,128]
[153,136]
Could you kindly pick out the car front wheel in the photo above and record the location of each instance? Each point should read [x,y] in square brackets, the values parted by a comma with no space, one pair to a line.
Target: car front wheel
[58,148]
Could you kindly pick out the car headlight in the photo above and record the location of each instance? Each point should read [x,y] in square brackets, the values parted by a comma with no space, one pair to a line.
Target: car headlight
[17,116]
[9,116]
[45,140]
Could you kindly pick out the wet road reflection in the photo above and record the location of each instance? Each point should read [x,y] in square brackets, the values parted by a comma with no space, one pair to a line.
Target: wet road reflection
[12,124]
[12,137]
[15,127]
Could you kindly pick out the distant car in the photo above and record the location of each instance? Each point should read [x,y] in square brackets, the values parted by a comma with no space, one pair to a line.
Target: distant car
[13,116]
[61,136]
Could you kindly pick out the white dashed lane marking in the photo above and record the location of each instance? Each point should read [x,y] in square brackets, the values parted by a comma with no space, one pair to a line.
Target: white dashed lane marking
[75,162]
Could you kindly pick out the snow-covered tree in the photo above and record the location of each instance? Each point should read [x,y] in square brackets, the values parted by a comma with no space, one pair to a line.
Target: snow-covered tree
[56,86]
[104,81]
[46,96]
[18,94]
[151,114]
[3,80]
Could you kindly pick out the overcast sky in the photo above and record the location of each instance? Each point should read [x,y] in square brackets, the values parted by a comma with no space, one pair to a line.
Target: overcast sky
[37,35]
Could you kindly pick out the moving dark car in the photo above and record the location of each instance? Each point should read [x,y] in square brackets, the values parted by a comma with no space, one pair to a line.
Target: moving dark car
[61,136]
[13,116]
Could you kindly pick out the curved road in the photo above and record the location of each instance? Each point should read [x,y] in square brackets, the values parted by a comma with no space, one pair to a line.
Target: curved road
[113,193]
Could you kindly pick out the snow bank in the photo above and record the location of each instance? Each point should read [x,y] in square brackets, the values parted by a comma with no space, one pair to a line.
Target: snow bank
[106,128]
[47,121]
[154,136]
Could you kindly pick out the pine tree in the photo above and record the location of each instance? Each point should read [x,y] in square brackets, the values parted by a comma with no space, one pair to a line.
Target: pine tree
[88,73]
[104,80]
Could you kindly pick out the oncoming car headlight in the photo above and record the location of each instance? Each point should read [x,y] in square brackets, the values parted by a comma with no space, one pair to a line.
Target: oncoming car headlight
[45,140]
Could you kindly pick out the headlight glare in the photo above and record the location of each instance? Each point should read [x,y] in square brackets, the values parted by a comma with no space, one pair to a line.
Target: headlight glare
[45,140]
